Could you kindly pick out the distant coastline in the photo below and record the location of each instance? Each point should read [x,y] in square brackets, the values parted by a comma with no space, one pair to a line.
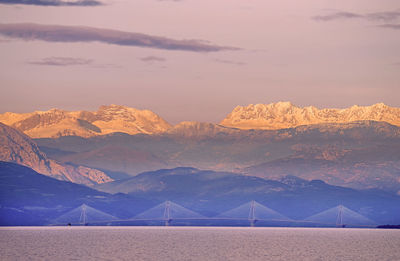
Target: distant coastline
[389,226]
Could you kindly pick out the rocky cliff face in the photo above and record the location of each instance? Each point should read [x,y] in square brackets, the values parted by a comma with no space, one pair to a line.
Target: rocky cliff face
[19,148]
[285,115]
[108,119]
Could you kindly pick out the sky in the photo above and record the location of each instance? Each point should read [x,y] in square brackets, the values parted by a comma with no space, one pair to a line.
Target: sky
[197,59]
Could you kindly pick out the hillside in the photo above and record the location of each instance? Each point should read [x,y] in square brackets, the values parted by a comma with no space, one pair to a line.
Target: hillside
[211,193]
[29,198]
[362,154]
[19,148]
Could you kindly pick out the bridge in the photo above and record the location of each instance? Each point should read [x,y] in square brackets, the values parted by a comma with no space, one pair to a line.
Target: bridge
[344,216]
[250,213]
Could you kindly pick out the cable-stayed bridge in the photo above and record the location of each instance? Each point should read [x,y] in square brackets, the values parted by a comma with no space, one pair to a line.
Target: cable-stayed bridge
[341,216]
[253,212]
[168,211]
[250,213]
[83,215]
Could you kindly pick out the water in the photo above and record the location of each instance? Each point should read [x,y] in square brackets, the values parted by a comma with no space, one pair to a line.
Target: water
[197,243]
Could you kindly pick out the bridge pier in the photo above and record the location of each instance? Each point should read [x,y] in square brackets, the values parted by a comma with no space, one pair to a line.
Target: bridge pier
[168,222]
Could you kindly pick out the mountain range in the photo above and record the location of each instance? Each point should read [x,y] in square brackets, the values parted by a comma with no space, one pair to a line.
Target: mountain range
[107,119]
[212,192]
[29,198]
[358,147]
[362,154]
[298,161]
[286,115]
[116,118]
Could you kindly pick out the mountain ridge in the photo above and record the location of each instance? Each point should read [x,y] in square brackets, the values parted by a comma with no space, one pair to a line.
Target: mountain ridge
[282,115]
[292,196]
[117,118]
[107,119]
[19,148]
[356,148]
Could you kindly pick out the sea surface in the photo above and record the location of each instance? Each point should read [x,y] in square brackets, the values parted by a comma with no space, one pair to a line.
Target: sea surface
[197,243]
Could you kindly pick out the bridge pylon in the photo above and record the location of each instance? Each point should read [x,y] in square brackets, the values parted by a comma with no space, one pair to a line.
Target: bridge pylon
[167,213]
[339,218]
[252,215]
[83,217]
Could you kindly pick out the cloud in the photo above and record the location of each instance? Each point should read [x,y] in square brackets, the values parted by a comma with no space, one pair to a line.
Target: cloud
[52,2]
[152,59]
[390,26]
[336,16]
[229,62]
[384,16]
[376,16]
[70,34]
[71,61]
[62,61]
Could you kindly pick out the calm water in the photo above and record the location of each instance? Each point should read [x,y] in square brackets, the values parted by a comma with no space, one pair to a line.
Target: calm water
[189,243]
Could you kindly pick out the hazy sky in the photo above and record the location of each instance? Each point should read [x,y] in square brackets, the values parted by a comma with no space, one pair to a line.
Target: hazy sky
[197,59]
